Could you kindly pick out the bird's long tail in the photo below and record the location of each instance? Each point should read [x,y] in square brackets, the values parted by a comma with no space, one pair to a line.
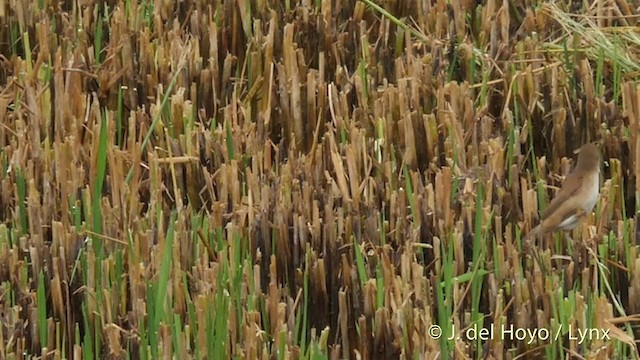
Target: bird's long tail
[535,232]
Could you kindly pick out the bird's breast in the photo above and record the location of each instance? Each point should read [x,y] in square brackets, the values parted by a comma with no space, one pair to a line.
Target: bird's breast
[591,193]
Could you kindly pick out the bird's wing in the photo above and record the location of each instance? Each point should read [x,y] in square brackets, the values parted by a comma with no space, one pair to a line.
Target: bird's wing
[572,184]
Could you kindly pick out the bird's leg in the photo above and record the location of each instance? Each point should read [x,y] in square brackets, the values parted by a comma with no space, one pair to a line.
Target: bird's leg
[580,248]
[568,238]
[530,247]
[538,259]
[577,249]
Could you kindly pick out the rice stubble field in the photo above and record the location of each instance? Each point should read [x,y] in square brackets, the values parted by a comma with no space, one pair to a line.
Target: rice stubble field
[315,179]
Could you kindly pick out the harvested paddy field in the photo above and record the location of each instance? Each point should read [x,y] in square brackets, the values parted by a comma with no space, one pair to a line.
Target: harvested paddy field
[316,179]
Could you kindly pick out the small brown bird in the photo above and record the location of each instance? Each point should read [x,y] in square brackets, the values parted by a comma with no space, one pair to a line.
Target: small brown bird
[577,196]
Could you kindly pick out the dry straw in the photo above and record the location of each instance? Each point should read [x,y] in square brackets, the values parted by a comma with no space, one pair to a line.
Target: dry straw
[313,179]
